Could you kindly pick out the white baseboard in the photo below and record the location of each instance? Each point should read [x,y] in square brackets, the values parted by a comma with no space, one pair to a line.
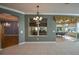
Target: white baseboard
[40,42]
[22,43]
[35,42]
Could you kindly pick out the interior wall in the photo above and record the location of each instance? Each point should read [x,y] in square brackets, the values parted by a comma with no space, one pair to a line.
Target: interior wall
[77,29]
[51,28]
[22,28]
[12,28]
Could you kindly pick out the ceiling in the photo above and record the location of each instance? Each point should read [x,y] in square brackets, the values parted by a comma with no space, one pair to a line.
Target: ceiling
[71,8]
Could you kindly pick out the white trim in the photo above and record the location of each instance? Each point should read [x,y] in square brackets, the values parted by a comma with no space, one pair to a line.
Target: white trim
[36,42]
[22,43]
[11,9]
[71,14]
[41,42]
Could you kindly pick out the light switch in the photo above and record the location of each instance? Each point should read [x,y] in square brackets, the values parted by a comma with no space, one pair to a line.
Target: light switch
[53,31]
[21,32]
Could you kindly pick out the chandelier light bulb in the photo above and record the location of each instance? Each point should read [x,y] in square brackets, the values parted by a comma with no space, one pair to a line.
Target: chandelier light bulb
[36,28]
[40,18]
[34,18]
[37,17]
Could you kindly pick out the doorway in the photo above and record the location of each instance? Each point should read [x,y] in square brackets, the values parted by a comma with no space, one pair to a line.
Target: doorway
[66,28]
[9,30]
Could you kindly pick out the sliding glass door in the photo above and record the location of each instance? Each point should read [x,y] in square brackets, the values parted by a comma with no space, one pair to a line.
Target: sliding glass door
[66,28]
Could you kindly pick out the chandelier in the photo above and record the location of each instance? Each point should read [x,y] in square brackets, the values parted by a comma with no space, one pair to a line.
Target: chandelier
[37,18]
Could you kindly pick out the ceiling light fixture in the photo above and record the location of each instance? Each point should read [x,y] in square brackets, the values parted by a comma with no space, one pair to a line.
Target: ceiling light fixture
[37,18]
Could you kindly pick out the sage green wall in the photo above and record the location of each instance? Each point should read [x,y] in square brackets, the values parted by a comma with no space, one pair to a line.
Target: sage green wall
[77,36]
[77,30]
[21,19]
[22,28]
[51,26]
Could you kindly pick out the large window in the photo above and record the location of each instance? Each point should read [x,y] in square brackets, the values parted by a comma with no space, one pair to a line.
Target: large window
[35,29]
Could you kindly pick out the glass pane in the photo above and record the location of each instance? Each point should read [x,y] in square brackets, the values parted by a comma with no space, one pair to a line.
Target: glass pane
[43,31]
[11,27]
[33,30]
[43,22]
[32,22]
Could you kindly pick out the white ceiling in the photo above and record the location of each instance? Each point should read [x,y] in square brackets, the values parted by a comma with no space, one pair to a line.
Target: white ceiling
[72,8]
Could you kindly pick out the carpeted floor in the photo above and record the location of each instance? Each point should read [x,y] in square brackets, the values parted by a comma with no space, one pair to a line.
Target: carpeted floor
[43,48]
